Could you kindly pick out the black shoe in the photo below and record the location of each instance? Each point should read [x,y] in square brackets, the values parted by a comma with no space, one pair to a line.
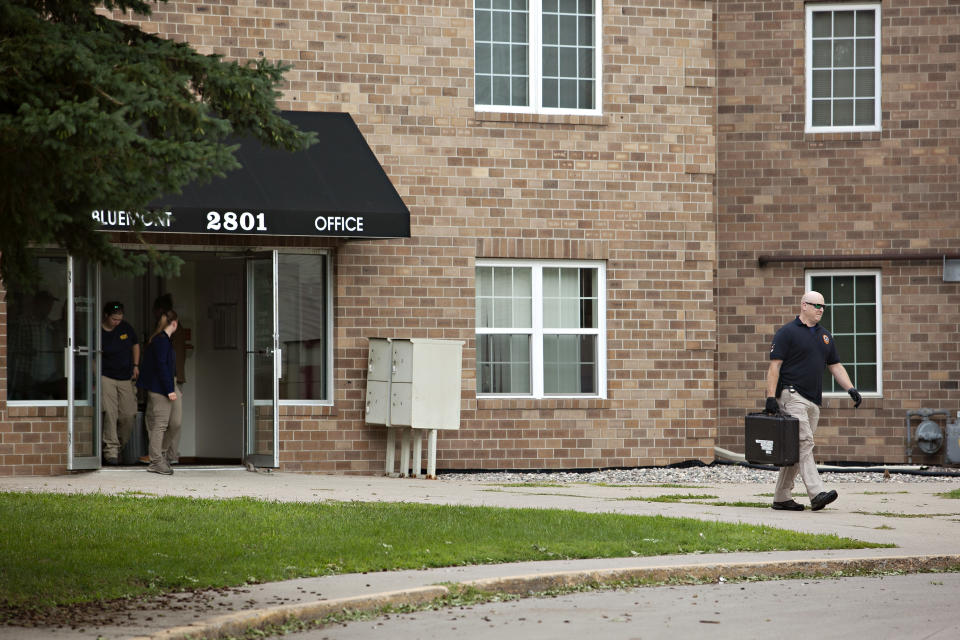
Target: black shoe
[822,499]
[788,505]
[111,462]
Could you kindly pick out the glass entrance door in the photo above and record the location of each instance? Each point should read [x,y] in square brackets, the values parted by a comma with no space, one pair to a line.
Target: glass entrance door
[82,365]
[263,363]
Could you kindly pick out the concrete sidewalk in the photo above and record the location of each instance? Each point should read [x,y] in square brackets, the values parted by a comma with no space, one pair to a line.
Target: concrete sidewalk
[924,527]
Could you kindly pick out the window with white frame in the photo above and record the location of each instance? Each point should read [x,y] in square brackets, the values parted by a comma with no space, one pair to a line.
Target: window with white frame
[537,56]
[853,316]
[541,328]
[843,67]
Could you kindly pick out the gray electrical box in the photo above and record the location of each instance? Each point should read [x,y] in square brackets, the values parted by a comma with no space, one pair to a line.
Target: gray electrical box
[414,382]
[953,441]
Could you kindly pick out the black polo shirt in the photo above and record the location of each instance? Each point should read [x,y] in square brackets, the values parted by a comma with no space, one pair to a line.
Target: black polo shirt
[117,347]
[805,352]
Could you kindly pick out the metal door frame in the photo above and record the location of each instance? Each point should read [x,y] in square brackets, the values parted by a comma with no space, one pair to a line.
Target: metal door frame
[71,352]
[250,456]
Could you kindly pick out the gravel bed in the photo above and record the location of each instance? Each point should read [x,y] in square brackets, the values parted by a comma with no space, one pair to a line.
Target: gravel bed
[712,474]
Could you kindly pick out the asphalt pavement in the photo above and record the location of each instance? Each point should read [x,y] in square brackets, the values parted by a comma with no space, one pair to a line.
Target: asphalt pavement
[924,527]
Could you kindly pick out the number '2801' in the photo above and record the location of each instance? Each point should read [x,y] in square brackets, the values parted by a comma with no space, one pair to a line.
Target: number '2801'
[232,221]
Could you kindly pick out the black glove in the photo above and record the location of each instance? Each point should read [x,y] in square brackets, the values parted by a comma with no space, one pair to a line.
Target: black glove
[857,398]
[772,406]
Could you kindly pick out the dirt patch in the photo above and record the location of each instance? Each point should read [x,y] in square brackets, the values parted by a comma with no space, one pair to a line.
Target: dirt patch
[122,612]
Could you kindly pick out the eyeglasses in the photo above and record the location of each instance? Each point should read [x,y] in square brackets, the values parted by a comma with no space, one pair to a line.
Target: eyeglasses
[815,306]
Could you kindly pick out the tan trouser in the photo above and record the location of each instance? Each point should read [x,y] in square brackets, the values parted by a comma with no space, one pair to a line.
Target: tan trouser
[163,424]
[808,414]
[119,403]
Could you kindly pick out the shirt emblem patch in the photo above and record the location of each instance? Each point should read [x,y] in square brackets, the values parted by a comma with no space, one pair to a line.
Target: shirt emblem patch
[826,339]
[123,336]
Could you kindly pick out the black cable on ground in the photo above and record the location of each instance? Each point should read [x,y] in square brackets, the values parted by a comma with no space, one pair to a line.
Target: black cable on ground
[910,472]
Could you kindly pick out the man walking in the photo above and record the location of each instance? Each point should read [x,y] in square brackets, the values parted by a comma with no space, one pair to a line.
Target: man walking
[800,351]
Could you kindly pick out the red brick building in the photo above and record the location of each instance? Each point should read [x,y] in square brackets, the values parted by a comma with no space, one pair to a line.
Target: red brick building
[591,187]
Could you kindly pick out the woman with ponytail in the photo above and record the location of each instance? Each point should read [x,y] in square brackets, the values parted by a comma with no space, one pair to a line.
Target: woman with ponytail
[158,377]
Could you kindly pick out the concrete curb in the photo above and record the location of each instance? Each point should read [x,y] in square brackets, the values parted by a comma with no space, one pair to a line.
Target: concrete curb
[238,623]
[535,583]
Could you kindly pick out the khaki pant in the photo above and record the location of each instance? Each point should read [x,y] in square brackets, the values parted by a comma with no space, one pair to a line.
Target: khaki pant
[119,403]
[808,414]
[163,425]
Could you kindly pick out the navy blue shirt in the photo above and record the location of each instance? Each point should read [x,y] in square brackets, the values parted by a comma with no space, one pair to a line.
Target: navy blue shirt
[805,352]
[117,346]
[159,366]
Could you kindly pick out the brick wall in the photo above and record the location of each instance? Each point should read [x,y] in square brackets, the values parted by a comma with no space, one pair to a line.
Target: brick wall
[781,191]
[633,186]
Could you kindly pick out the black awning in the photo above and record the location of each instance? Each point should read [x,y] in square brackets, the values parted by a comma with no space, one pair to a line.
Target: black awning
[335,188]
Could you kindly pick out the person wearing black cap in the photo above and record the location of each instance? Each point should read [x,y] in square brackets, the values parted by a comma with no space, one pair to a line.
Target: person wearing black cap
[119,369]
[800,351]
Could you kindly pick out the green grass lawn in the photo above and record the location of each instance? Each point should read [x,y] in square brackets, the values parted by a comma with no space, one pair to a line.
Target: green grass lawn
[63,549]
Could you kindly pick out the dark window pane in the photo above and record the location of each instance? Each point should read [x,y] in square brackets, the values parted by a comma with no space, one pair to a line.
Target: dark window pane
[483,90]
[481,26]
[585,31]
[518,60]
[865,84]
[568,30]
[551,93]
[501,58]
[843,113]
[843,83]
[843,24]
[821,53]
[841,318]
[822,24]
[550,29]
[551,64]
[865,53]
[821,284]
[586,94]
[866,349]
[845,346]
[866,289]
[568,62]
[520,98]
[843,53]
[483,58]
[821,113]
[501,90]
[866,23]
[842,290]
[585,63]
[37,336]
[568,94]
[866,114]
[866,319]
[865,378]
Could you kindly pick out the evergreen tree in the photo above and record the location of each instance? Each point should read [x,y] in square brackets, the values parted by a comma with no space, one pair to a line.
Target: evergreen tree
[96,113]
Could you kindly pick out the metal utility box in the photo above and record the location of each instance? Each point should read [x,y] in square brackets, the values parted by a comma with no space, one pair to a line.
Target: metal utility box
[414,382]
[953,441]
[771,439]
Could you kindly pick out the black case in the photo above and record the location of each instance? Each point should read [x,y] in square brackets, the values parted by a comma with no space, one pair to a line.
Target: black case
[771,439]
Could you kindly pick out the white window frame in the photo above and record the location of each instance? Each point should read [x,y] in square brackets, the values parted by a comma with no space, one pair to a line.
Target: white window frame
[535,60]
[329,388]
[538,331]
[816,7]
[810,275]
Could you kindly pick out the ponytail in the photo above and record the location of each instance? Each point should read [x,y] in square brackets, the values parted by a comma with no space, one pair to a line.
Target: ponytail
[166,318]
